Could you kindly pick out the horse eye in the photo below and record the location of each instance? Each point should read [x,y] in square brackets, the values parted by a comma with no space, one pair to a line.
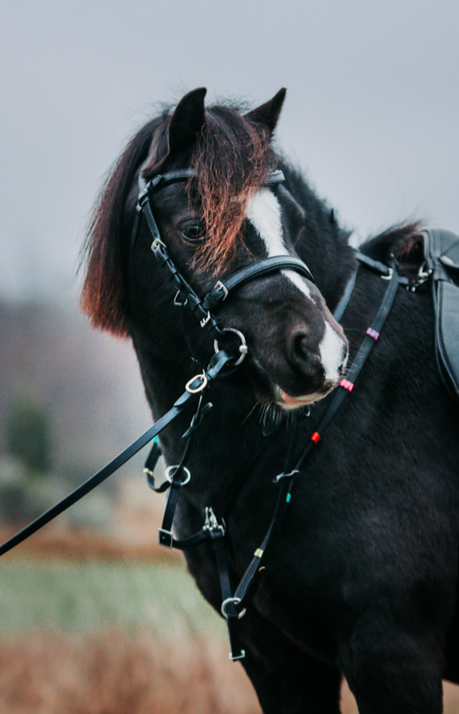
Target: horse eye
[193,231]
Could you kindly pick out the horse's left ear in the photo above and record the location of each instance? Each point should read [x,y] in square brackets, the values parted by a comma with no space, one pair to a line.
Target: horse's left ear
[268,114]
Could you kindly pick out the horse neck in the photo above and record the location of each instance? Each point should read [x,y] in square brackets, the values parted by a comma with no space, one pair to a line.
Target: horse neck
[321,242]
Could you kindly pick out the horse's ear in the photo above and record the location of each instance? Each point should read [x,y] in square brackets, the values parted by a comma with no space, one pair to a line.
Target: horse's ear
[187,120]
[268,114]
[184,128]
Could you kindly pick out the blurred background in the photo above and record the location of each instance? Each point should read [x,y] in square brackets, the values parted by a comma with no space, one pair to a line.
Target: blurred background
[93,618]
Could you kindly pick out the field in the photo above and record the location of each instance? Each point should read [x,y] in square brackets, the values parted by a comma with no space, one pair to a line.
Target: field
[107,638]
[104,636]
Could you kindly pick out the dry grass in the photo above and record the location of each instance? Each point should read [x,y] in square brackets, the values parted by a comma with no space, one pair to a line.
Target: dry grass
[118,673]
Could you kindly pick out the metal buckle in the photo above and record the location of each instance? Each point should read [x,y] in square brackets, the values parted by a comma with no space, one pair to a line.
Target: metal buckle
[219,286]
[170,476]
[205,320]
[157,243]
[235,601]
[211,523]
[243,349]
[165,538]
[177,302]
[200,387]
[389,275]
[234,658]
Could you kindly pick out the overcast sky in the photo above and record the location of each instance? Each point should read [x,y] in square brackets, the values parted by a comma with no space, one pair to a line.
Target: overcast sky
[371,110]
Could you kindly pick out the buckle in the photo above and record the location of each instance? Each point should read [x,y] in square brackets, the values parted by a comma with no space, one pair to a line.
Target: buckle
[157,245]
[222,291]
[235,601]
[165,538]
[234,658]
[211,523]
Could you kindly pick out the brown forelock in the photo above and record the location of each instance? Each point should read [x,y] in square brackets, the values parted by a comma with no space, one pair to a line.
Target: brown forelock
[232,159]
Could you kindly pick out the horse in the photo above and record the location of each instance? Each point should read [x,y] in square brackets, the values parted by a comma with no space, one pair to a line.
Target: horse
[360,578]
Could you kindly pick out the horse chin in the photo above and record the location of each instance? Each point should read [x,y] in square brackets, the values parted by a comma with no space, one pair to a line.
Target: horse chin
[288,403]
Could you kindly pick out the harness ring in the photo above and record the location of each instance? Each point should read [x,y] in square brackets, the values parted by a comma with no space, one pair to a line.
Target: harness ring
[243,349]
[170,477]
[235,601]
[200,387]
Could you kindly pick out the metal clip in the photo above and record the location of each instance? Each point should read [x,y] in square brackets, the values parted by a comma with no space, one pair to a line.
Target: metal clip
[211,523]
[235,601]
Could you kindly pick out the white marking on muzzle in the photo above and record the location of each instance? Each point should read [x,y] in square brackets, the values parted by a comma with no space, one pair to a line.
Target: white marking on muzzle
[331,350]
[264,213]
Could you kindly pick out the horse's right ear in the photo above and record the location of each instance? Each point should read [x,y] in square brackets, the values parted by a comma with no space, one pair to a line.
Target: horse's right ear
[268,113]
[187,120]
[184,128]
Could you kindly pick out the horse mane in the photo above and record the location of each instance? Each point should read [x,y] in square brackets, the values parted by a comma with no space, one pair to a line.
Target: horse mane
[232,157]
[404,242]
[104,294]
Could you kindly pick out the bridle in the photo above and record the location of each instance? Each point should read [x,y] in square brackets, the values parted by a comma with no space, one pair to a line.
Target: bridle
[222,363]
[203,308]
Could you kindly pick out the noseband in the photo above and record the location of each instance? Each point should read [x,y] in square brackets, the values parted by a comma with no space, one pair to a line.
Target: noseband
[185,295]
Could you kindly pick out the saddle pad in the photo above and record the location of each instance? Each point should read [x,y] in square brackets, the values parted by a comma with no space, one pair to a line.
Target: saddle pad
[441,250]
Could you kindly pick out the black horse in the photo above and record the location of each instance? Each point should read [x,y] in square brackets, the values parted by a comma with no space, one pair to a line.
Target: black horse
[361,577]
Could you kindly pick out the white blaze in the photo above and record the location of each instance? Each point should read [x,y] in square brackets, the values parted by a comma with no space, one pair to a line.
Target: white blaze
[331,352]
[264,213]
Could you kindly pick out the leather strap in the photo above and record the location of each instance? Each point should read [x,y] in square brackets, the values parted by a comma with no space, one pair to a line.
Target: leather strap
[215,370]
[256,270]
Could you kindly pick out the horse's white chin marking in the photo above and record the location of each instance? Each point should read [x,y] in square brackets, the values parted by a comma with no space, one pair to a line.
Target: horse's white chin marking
[264,213]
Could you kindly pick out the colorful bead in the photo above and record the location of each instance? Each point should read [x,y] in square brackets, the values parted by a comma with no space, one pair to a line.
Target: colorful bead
[372,333]
[315,437]
[289,496]
[347,385]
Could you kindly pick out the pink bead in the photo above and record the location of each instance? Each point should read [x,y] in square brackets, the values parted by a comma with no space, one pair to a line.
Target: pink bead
[372,333]
[347,385]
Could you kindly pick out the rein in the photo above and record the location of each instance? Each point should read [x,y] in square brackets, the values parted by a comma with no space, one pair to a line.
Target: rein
[222,364]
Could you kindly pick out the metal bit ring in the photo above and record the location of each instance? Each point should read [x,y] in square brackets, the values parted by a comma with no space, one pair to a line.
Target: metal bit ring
[243,349]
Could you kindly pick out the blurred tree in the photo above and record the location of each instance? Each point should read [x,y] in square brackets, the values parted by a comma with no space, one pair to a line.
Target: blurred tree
[28,431]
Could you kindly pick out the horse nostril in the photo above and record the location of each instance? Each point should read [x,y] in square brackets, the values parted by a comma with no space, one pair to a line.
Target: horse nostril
[302,354]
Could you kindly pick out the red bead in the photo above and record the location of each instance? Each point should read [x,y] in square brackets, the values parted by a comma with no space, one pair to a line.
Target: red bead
[315,437]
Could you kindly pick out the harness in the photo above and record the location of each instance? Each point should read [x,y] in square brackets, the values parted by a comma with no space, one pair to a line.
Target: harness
[223,363]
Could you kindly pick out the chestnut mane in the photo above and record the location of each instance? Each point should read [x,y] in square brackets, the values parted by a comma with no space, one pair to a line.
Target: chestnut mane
[232,157]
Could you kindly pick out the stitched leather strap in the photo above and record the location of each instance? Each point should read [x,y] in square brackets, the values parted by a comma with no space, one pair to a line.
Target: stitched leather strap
[256,270]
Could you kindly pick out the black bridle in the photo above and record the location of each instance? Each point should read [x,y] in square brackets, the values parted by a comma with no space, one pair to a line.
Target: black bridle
[203,308]
[222,363]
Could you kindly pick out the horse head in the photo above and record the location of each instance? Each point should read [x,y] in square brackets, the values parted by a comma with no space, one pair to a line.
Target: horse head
[226,216]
